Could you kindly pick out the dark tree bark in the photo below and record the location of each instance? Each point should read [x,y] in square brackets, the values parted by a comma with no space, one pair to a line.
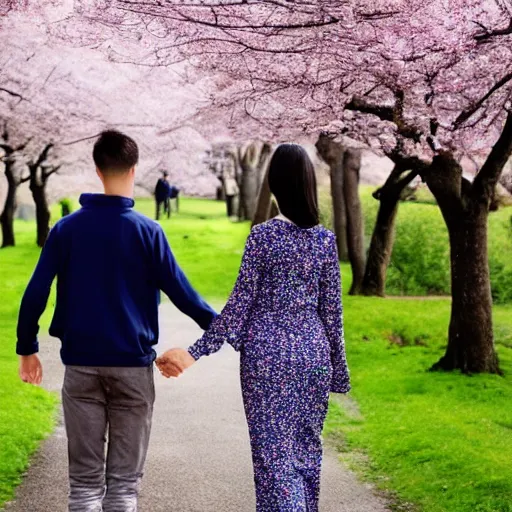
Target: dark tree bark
[264,161]
[465,208]
[242,215]
[39,174]
[381,245]
[7,216]
[339,210]
[355,220]
[470,335]
[332,153]
[42,213]
[219,194]
[264,202]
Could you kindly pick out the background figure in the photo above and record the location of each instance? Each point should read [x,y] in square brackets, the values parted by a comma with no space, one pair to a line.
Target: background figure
[174,193]
[230,184]
[162,195]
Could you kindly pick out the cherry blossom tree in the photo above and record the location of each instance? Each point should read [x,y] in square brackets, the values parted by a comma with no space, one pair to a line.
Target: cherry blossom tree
[62,97]
[422,82]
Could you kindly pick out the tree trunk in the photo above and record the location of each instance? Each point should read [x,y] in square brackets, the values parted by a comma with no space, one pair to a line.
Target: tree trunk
[332,153]
[7,216]
[264,203]
[249,182]
[355,222]
[470,336]
[465,211]
[383,236]
[263,163]
[219,194]
[339,209]
[381,247]
[42,211]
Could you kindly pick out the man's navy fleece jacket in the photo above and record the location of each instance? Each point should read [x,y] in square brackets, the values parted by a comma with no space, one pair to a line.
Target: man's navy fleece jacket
[111,264]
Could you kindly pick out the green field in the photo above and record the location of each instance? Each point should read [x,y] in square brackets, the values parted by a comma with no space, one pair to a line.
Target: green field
[441,441]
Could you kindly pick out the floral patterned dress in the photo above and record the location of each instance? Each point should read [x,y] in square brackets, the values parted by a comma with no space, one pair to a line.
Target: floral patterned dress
[285,317]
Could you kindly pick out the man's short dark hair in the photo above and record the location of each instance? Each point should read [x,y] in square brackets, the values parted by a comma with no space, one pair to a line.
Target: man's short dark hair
[115,152]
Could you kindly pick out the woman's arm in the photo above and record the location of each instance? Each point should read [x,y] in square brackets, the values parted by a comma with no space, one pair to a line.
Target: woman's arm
[231,324]
[331,312]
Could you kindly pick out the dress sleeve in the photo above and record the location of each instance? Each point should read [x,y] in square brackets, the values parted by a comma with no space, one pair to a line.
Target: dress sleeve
[231,324]
[331,312]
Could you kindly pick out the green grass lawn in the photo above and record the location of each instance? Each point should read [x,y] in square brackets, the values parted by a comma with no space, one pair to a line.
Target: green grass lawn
[441,441]
[26,413]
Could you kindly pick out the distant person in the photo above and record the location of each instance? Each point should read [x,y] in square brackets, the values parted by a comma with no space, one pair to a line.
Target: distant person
[162,195]
[110,263]
[174,194]
[284,316]
[230,184]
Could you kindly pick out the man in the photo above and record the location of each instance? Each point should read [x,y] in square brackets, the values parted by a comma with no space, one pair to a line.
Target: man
[162,195]
[110,263]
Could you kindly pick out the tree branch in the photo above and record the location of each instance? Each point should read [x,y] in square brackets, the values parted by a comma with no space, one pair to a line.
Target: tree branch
[487,34]
[445,181]
[486,180]
[42,156]
[393,114]
[53,170]
[12,93]
[466,114]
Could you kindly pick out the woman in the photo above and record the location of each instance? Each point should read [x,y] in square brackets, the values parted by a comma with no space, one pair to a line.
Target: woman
[285,317]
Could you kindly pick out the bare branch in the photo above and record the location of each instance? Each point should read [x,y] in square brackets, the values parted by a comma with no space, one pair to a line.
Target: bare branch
[12,93]
[486,34]
[486,180]
[466,114]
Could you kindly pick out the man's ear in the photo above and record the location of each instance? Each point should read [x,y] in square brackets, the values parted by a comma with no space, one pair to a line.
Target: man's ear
[100,175]
[132,171]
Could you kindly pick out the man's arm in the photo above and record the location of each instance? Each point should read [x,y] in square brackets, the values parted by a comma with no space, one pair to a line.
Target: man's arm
[32,307]
[173,282]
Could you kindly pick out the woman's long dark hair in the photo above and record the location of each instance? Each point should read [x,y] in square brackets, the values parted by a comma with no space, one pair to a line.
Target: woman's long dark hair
[292,180]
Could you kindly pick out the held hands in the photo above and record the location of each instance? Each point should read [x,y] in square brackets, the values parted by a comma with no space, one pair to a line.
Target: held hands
[31,369]
[174,362]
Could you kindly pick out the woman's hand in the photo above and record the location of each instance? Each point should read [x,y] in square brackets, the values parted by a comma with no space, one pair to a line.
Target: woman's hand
[174,362]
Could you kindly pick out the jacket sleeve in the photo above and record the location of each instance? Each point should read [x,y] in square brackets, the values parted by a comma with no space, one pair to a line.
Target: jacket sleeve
[231,324]
[36,296]
[331,312]
[173,282]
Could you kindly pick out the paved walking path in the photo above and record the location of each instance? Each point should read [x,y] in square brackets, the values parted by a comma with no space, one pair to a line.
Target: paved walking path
[199,456]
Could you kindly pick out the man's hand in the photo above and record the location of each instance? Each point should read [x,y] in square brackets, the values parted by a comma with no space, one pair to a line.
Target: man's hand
[174,362]
[31,369]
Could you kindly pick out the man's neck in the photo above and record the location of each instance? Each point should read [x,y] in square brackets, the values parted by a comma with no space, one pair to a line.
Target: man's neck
[119,189]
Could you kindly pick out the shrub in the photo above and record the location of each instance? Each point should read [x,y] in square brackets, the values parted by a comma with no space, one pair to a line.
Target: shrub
[66,206]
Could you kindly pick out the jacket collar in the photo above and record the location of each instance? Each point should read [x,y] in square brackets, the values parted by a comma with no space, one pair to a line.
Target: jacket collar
[104,201]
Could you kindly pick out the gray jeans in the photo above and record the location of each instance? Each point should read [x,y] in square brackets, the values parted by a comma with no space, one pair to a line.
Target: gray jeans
[108,414]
